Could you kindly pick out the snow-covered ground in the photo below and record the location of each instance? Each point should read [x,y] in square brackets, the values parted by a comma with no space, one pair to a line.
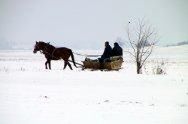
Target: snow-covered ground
[29,94]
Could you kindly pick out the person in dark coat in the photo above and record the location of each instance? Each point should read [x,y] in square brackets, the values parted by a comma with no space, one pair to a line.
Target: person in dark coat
[107,52]
[117,50]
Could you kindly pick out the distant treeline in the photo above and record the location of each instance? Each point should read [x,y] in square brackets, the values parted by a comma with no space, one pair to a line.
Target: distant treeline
[178,44]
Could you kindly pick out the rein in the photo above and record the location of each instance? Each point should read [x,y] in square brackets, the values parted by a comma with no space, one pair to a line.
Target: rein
[86,55]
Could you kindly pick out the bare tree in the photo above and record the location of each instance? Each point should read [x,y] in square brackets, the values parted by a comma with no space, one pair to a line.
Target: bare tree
[142,38]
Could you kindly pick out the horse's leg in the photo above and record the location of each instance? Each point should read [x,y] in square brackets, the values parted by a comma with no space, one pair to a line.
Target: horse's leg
[69,65]
[65,64]
[49,63]
[46,64]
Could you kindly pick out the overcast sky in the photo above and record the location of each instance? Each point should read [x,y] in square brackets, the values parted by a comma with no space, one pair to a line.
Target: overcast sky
[88,23]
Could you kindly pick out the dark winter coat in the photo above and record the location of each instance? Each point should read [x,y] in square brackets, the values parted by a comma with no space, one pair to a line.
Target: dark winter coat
[107,52]
[117,51]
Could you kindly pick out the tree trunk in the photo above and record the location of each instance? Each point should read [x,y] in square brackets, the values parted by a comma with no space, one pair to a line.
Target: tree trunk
[139,68]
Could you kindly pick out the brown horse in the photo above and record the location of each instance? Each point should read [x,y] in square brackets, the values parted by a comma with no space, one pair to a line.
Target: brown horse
[53,53]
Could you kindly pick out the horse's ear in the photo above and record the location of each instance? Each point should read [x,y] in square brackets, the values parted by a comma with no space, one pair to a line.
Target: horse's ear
[36,42]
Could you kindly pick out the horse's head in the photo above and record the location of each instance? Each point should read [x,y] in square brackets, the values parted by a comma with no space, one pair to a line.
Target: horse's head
[42,46]
[37,47]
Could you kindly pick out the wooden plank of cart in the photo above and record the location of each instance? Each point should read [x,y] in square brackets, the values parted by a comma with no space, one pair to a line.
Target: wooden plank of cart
[113,63]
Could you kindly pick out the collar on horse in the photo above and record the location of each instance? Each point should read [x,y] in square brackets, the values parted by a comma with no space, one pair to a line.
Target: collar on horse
[45,52]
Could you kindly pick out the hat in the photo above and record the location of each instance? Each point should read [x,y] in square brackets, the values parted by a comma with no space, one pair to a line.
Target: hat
[116,43]
[107,42]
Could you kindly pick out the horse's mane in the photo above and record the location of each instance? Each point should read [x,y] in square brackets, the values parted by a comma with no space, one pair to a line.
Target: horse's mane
[46,44]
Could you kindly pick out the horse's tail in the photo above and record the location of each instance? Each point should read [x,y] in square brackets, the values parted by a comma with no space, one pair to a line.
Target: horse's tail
[72,56]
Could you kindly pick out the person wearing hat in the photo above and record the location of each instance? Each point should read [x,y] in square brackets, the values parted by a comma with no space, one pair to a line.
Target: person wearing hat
[117,50]
[107,52]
